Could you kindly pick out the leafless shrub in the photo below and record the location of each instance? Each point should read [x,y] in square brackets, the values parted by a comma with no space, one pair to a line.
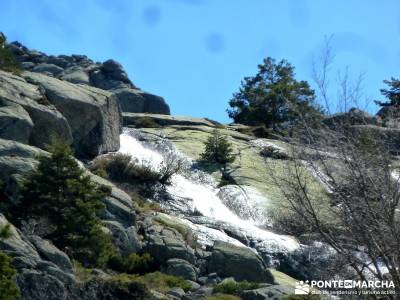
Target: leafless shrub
[342,188]
[123,168]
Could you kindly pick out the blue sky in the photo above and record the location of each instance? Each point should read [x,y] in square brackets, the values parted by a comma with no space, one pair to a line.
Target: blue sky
[194,53]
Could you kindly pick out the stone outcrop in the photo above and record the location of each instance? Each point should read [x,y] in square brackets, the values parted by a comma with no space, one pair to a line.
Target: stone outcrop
[137,101]
[240,263]
[15,122]
[354,116]
[181,268]
[36,122]
[164,243]
[92,114]
[137,119]
[79,69]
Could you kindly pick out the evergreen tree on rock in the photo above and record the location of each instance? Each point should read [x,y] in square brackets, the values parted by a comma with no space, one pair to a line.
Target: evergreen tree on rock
[59,191]
[217,149]
[274,98]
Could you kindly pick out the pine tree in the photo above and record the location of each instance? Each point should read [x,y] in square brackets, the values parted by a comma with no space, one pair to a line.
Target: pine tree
[7,60]
[392,94]
[8,288]
[217,149]
[59,191]
[274,97]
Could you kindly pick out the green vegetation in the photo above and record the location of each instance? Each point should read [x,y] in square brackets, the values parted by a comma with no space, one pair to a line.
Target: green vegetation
[82,274]
[162,282]
[124,287]
[153,281]
[234,288]
[8,62]
[133,263]
[60,192]
[392,94]
[145,122]
[8,288]
[274,98]
[221,297]
[5,231]
[217,149]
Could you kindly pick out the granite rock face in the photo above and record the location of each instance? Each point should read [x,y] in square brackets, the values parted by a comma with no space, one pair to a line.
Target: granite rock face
[92,114]
[240,263]
[136,101]
[34,120]
[79,69]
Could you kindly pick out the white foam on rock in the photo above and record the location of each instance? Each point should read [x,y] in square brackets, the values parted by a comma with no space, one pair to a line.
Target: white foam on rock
[204,199]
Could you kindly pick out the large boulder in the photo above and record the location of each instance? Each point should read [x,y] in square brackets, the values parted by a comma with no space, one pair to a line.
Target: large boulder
[48,69]
[49,252]
[126,239]
[77,76]
[137,101]
[110,75]
[165,241]
[79,69]
[242,263]
[267,293]
[181,268]
[118,204]
[93,114]
[15,122]
[18,247]
[48,123]
[354,116]
[16,159]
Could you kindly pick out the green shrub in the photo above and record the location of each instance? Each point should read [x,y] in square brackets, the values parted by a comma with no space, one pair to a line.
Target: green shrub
[59,191]
[8,62]
[5,231]
[162,282]
[139,263]
[133,263]
[122,287]
[217,149]
[234,288]
[146,122]
[82,274]
[8,288]
[154,281]
[144,205]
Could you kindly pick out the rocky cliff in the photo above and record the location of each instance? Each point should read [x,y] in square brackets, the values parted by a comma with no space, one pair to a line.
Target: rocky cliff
[85,104]
[78,69]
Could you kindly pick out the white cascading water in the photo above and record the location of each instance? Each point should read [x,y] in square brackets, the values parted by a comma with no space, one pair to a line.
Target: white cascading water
[205,200]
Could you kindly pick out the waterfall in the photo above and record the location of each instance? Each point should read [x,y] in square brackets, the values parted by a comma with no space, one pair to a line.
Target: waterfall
[204,198]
